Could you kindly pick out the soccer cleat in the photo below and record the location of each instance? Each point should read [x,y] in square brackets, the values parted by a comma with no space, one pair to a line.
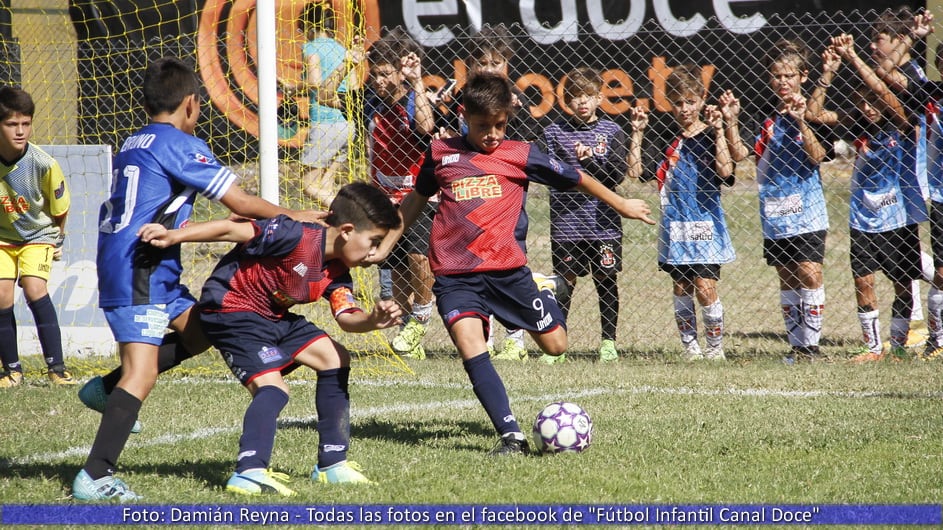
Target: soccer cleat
[898,353]
[692,351]
[409,337]
[345,472]
[61,377]
[608,352]
[714,353]
[552,359]
[511,445]
[918,334]
[92,395]
[259,481]
[418,353]
[11,379]
[865,355]
[512,351]
[931,352]
[103,489]
[553,283]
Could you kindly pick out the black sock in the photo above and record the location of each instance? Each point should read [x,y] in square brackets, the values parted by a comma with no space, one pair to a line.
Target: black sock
[9,353]
[121,411]
[332,402]
[607,289]
[169,355]
[47,327]
[491,393]
[258,428]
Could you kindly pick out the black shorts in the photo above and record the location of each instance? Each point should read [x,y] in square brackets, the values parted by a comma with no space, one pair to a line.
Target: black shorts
[415,240]
[796,249]
[252,345]
[895,252]
[936,233]
[579,258]
[688,273]
[511,296]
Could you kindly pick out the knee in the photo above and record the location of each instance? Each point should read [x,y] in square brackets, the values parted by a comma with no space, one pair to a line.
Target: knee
[554,344]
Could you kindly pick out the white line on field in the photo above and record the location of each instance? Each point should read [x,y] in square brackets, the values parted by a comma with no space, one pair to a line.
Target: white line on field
[400,408]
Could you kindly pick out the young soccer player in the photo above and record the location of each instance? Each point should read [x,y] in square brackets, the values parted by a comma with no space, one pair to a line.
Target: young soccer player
[934,346]
[157,173]
[883,235]
[585,233]
[400,124]
[476,251]
[690,167]
[792,205]
[32,230]
[244,312]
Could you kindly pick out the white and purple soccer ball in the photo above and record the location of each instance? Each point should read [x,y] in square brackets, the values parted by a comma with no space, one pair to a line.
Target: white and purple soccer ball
[563,427]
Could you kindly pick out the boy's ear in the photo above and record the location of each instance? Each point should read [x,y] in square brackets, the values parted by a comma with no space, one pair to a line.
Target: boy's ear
[346,230]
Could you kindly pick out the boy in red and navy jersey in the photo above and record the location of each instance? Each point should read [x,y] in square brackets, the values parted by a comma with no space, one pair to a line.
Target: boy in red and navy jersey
[244,312]
[476,250]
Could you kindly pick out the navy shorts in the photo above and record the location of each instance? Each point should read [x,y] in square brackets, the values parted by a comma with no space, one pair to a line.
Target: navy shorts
[252,345]
[511,296]
[579,258]
[895,252]
[788,250]
[688,273]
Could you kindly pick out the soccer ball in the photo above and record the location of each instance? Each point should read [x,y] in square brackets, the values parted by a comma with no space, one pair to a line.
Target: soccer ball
[562,427]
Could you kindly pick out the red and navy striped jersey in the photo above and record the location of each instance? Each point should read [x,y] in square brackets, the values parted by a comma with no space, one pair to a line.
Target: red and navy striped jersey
[481,224]
[281,266]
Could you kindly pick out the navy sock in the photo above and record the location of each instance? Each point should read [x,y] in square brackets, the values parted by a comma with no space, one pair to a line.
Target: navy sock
[258,428]
[332,402]
[169,355]
[9,353]
[607,289]
[121,410]
[491,393]
[47,327]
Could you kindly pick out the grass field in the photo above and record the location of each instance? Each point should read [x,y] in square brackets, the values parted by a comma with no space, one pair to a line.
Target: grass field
[747,431]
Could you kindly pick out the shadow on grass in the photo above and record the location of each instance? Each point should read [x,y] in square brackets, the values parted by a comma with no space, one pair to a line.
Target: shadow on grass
[411,433]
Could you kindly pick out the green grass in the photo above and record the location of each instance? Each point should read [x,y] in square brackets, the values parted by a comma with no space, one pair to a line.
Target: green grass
[746,431]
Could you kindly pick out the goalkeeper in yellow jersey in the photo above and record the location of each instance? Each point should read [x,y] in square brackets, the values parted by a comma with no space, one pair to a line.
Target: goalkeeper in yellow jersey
[34,201]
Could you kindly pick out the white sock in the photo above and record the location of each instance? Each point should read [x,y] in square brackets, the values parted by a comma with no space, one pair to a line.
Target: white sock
[916,313]
[900,327]
[713,316]
[686,318]
[792,316]
[871,330]
[813,306]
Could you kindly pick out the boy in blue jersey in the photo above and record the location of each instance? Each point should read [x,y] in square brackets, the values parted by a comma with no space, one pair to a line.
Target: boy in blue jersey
[884,236]
[690,167]
[792,205]
[934,346]
[585,233]
[32,230]
[476,249]
[157,173]
[244,312]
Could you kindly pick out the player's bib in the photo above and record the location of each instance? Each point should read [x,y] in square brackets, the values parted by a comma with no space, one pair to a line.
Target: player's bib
[876,201]
[691,231]
[783,206]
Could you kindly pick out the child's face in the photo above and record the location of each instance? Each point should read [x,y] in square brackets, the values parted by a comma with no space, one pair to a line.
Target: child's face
[360,244]
[869,106]
[882,46]
[15,132]
[385,80]
[686,108]
[786,78]
[584,106]
[489,62]
[486,131]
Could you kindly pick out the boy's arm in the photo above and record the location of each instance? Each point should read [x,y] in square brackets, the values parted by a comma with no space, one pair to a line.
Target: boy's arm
[723,162]
[845,46]
[730,109]
[815,108]
[424,118]
[628,208]
[385,314]
[220,230]
[253,207]
[639,121]
[409,210]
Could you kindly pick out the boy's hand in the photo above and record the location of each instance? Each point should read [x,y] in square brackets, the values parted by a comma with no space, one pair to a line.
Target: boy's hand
[156,235]
[729,106]
[923,25]
[583,151]
[386,314]
[796,106]
[411,67]
[844,46]
[635,209]
[831,60]
[714,117]
[310,216]
[357,52]
[638,118]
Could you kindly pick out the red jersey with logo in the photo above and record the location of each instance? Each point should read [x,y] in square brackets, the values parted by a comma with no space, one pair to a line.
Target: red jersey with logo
[481,224]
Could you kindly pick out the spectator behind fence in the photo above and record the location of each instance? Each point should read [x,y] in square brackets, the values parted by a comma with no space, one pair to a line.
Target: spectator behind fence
[332,69]
[245,309]
[884,236]
[158,172]
[400,122]
[690,163]
[585,233]
[476,251]
[934,347]
[792,205]
[32,232]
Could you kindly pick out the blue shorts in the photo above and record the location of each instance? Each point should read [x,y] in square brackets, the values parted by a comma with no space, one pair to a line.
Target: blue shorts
[145,323]
[252,345]
[511,296]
